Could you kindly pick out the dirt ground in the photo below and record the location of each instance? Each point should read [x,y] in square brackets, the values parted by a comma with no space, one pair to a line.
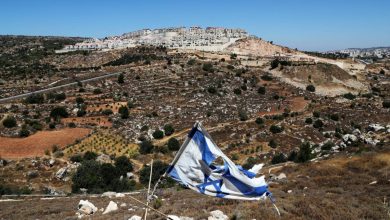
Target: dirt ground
[342,187]
[36,144]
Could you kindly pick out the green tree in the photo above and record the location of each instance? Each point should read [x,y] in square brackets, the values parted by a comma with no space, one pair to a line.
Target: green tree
[168,129]
[279,158]
[158,134]
[304,153]
[276,129]
[146,147]
[310,88]
[173,144]
[124,112]
[123,165]
[261,90]
[88,175]
[9,122]
[59,112]
[89,155]
[159,168]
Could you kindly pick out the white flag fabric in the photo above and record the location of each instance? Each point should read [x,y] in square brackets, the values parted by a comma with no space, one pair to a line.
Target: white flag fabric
[193,167]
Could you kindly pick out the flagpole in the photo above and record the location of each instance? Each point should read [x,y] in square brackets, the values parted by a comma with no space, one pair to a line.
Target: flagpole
[175,159]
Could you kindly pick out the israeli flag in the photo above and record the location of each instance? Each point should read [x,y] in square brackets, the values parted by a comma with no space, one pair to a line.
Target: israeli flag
[194,166]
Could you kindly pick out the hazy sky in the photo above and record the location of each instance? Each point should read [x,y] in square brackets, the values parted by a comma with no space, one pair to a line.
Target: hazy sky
[303,24]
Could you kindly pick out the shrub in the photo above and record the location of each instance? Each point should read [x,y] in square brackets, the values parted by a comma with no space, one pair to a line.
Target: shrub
[237,91]
[308,120]
[97,91]
[130,104]
[168,129]
[59,112]
[89,155]
[310,88]
[334,117]
[274,63]
[173,144]
[261,90]
[386,104]
[279,158]
[304,153]
[266,77]
[124,112]
[191,62]
[9,122]
[123,165]
[327,146]
[24,132]
[318,124]
[316,114]
[208,67]
[146,147]
[259,121]
[107,112]
[230,67]
[79,100]
[71,125]
[35,99]
[349,96]
[250,161]
[292,156]
[121,78]
[272,143]
[242,115]
[212,90]
[76,158]
[158,134]
[276,129]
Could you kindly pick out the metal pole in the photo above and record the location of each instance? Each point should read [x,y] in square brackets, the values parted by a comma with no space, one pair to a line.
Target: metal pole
[147,195]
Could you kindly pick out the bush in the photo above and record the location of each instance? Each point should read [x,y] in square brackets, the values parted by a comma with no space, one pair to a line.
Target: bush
[24,132]
[158,134]
[261,90]
[107,112]
[266,77]
[237,91]
[230,67]
[334,117]
[259,121]
[9,122]
[173,144]
[292,156]
[97,91]
[276,129]
[242,115]
[123,165]
[274,63]
[76,158]
[124,112]
[310,88]
[308,120]
[191,62]
[121,78]
[208,67]
[89,155]
[79,100]
[130,104]
[35,99]
[146,147]
[279,158]
[318,124]
[59,112]
[250,161]
[327,146]
[304,153]
[212,90]
[349,96]
[88,176]
[168,129]
[272,143]
[386,104]
[316,114]
[159,169]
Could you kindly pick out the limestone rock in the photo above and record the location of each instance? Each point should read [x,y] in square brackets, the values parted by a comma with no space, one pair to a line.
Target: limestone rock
[217,215]
[112,206]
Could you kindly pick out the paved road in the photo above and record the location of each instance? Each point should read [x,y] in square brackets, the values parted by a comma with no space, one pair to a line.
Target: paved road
[55,88]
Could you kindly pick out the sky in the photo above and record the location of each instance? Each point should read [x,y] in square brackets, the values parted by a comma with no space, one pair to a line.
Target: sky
[315,25]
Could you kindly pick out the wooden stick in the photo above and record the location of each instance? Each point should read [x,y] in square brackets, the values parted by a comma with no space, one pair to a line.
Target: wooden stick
[147,195]
[150,207]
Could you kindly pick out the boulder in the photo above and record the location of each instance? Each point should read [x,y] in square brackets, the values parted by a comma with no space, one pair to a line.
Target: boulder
[119,195]
[32,174]
[3,163]
[376,127]
[61,173]
[112,206]
[135,217]
[86,208]
[129,175]
[104,158]
[109,194]
[52,162]
[217,215]
[350,137]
